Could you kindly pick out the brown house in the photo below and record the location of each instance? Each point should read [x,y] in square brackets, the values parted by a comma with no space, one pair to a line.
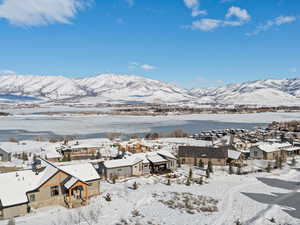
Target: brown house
[69,186]
[193,154]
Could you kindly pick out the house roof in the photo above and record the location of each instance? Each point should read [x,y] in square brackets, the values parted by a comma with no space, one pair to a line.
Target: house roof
[272,147]
[234,154]
[203,152]
[15,185]
[122,162]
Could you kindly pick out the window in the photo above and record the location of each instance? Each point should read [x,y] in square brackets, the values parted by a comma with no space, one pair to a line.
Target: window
[183,161]
[255,153]
[32,197]
[90,184]
[54,191]
[119,170]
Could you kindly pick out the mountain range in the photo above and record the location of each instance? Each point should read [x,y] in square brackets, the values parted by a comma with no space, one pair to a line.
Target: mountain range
[112,88]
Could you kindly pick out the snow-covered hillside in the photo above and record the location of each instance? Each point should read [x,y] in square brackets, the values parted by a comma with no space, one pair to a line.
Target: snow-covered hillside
[128,88]
[261,92]
[102,88]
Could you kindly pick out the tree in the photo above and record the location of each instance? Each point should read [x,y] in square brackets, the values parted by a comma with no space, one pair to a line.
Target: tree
[98,155]
[280,162]
[269,167]
[112,135]
[135,186]
[190,173]
[169,182]
[239,172]
[294,162]
[207,173]
[200,163]
[210,167]
[201,181]
[24,156]
[230,168]
[188,182]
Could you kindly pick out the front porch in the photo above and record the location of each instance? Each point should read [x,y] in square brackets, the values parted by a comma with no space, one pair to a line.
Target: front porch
[76,193]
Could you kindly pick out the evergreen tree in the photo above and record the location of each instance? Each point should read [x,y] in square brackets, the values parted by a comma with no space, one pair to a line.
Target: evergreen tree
[280,163]
[201,181]
[269,167]
[239,170]
[188,182]
[294,162]
[169,182]
[230,169]
[135,186]
[201,164]
[207,173]
[190,173]
[210,167]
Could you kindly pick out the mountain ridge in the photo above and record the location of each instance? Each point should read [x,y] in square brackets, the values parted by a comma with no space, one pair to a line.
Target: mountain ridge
[130,88]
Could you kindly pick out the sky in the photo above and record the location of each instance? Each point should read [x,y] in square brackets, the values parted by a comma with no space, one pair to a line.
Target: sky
[191,43]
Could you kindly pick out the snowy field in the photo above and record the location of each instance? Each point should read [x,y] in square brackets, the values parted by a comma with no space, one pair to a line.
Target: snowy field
[66,125]
[253,199]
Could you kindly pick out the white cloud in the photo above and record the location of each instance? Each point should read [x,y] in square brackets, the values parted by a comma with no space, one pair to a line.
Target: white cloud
[241,14]
[293,70]
[40,12]
[136,65]
[207,24]
[147,67]
[7,72]
[120,21]
[278,21]
[130,2]
[194,5]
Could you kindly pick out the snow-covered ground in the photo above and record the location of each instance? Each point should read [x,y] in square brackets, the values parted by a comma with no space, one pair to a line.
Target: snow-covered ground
[253,199]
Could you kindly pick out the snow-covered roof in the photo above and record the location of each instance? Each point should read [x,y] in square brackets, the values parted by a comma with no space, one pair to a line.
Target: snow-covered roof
[291,149]
[121,162]
[70,182]
[84,171]
[15,185]
[156,158]
[233,154]
[272,147]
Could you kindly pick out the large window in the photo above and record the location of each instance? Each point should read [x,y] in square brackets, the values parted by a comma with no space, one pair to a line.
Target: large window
[54,190]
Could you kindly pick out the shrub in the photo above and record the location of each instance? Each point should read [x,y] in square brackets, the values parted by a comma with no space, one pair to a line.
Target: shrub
[108,197]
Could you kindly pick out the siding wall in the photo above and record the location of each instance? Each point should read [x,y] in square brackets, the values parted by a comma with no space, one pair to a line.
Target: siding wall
[14,211]
[121,172]
[192,161]
[43,195]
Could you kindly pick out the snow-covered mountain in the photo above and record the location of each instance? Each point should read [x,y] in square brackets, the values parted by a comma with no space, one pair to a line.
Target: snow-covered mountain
[102,88]
[128,88]
[261,92]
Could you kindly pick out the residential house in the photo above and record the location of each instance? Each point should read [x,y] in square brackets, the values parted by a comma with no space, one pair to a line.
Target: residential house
[4,155]
[269,151]
[84,149]
[139,164]
[193,154]
[69,186]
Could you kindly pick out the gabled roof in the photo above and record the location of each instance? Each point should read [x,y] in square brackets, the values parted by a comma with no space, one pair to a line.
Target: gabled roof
[121,162]
[204,152]
[15,185]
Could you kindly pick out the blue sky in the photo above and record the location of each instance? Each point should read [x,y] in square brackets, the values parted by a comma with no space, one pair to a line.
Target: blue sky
[193,43]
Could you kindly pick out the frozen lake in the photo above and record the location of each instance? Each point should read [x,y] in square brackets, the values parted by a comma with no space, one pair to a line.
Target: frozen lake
[30,126]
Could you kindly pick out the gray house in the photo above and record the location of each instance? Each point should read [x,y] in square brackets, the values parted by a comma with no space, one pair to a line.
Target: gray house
[4,155]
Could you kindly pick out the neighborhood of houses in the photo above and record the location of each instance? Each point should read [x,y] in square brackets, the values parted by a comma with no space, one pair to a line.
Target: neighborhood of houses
[35,174]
